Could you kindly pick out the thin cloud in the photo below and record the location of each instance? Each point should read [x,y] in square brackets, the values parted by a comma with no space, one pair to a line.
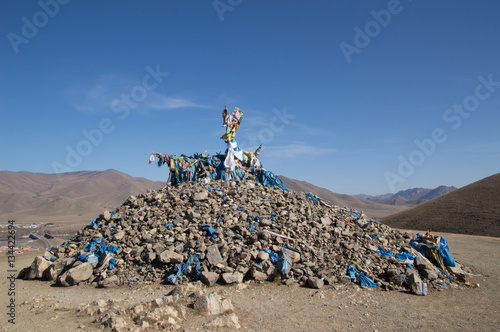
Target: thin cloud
[159,102]
[103,93]
[93,98]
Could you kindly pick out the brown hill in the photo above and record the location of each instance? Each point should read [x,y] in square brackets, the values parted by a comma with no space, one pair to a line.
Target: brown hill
[33,197]
[370,208]
[473,209]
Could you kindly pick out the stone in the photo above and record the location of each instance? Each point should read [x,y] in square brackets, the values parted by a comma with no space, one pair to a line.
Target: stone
[457,269]
[262,256]
[200,196]
[232,278]
[420,263]
[257,275]
[315,282]
[430,274]
[116,323]
[291,282]
[398,279]
[212,304]
[100,303]
[265,222]
[330,280]
[76,274]
[229,321]
[326,221]
[392,271]
[110,282]
[209,278]
[38,267]
[194,215]
[293,255]
[416,285]
[106,215]
[171,257]
[118,235]
[213,255]
[345,279]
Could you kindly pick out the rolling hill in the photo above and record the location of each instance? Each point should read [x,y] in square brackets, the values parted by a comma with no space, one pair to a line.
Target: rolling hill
[473,209]
[370,208]
[33,197]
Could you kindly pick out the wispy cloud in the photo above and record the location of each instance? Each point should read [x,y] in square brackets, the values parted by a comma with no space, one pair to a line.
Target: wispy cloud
[160,102]
[100,95]
[95,96]
[296,149]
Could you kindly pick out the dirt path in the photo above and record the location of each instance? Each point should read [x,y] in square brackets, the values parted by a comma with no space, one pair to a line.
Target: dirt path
[274,307]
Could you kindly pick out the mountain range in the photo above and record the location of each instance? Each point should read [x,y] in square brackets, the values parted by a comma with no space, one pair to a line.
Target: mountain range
[409,197]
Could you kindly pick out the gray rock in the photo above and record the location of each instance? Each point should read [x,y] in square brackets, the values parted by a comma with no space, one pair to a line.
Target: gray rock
[213,255]
[232,278]
[212,304]
[315,282]
[200,196]
[115,323]
[171,257]
[294,256]
[392,271]
[420,263]
[416,285]
[257,275]
[118,235]
[345,279]
[229,321]
[76,274]
[55,269]
[330,280]
[265,222]
[110,282]
[106,215]
[209,278]
[398,279]
[430,274]
[326,221]
[38,268]
[262,256]
[193,215]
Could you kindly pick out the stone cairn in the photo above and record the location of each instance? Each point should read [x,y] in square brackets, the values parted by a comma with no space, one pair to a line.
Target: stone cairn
[236,231]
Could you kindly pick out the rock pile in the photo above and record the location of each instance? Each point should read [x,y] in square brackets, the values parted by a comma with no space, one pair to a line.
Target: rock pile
[230,232]
[163,313]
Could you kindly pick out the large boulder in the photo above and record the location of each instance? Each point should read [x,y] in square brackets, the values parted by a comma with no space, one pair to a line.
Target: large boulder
[76,274]
[38,267]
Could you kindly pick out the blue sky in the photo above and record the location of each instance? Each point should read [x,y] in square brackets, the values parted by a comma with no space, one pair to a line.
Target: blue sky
[354,96]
